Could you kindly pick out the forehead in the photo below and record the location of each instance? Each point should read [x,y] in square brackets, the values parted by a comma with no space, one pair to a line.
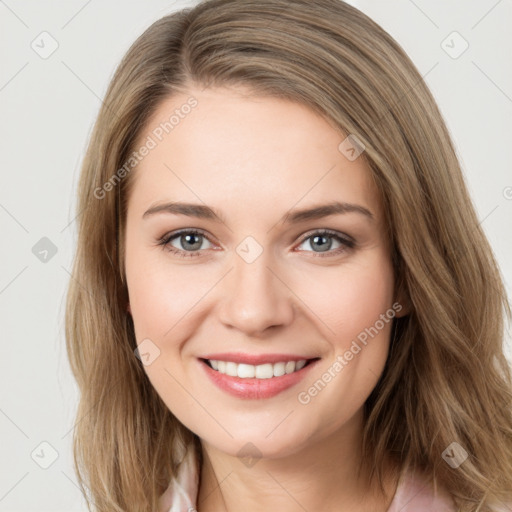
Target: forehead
[231,148]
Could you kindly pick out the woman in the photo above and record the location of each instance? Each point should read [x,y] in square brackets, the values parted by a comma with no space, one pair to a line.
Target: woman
[286,299]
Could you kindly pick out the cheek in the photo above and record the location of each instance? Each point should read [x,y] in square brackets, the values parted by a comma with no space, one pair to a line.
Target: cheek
[350,298]
[352,305]
[162,298]
[160,294]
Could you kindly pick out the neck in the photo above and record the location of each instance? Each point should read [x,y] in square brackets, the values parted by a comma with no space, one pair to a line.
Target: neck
[323,475]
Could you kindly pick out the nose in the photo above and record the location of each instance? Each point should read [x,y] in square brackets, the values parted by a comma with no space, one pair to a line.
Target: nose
[255,298]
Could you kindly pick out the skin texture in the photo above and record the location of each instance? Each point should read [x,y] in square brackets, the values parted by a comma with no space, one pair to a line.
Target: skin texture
[253,159]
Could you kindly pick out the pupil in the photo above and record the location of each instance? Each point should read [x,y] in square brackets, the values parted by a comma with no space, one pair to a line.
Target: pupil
[187,239]
[323,243]
[325,246]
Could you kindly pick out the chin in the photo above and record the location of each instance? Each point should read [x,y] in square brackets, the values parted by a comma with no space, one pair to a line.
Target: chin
[257,443]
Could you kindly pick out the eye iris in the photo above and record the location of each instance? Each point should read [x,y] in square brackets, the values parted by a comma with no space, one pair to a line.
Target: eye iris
[325,245]
[191,242]
[185,239]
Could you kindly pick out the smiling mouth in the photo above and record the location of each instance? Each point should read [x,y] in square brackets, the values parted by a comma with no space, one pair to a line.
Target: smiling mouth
[261,371]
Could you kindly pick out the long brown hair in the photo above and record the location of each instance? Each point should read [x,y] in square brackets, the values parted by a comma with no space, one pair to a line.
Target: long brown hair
[446,379]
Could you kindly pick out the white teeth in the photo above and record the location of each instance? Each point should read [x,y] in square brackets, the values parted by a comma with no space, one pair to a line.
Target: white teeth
[289,367]
[279,369]
[264,371]
[245,371]
[261,371]
[231,369]
[300,364]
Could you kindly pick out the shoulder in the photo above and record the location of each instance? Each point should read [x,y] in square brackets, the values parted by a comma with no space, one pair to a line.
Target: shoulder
[415,493]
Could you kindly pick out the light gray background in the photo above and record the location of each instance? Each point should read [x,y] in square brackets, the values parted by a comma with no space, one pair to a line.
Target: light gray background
[48,107]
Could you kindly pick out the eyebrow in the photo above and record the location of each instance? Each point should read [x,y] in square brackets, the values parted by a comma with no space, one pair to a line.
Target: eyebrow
[292,217]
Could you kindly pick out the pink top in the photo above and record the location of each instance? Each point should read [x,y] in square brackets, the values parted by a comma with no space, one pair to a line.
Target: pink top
[413,494]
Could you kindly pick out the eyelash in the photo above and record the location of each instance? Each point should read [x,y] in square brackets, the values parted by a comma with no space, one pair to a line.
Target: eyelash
[164,242]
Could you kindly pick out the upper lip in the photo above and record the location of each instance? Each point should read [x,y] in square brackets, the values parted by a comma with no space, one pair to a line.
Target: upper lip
[255,359]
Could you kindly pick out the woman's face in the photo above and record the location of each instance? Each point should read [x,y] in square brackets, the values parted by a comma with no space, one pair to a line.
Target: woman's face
[258,282]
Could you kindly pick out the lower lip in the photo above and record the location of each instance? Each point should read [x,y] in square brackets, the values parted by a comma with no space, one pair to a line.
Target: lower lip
[256,388]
